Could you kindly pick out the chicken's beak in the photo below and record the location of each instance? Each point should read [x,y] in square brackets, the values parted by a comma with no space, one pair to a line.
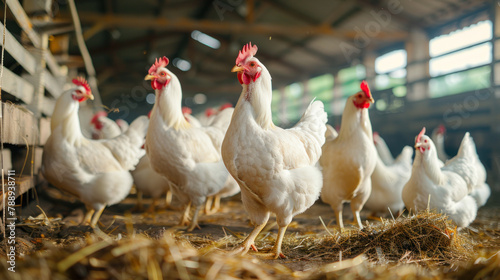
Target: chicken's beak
[90,96]
[418,145]
[237,68]
[149,77]
[371,100]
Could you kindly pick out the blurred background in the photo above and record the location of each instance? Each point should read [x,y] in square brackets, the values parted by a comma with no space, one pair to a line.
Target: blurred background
[428,62]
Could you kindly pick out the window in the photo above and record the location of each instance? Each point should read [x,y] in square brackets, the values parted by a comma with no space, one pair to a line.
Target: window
[321,87]
[390,69]
[293,101]
[349,81]
[454,53]
[464,81]
[275,106]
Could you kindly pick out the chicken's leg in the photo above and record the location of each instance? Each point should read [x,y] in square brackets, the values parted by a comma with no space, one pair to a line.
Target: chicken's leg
[359,201]
[338,215]
[185,216]
[216,206]
[138,205]
[357,219]
[212,205]
[208,205]
[249,241]
[88,217]
[279,240]
[194,221]
[152,207]
[168,199]
[96,216]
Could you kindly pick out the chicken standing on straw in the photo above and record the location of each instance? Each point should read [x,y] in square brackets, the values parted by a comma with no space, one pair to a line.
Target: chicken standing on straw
[454,189]
[274,167]
[188,156]
[95,171]
[348,161]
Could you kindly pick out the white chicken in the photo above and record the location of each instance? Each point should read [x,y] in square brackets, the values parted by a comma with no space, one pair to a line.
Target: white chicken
[348,161]
[186,111]
[104,127]
[446,189]
[388,182]
[188,156]
[274,167]
[382,149]
[123,124]
[95,171]
[437,137]
[150,183]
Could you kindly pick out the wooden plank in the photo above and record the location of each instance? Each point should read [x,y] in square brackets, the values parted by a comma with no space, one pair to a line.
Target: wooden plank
[23,184]
[24,21]
[18,52]
[50,83]
[17,86]
[28,161]
[54,67]
[20,126]
[48,106]
[44,130]
[7,159]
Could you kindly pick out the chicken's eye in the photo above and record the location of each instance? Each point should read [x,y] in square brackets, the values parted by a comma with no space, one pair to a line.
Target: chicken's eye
[425,141]
[252,64]
[163,74]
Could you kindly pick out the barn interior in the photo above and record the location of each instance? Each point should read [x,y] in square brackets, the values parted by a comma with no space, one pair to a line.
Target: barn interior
[433,64]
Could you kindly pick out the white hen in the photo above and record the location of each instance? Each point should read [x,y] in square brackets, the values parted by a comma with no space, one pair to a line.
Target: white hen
[104,127]
[150,183]
[348,161]
[446,189]
[188,156]
[274,167]
[437,137]
[382,149]
[95,171]
[388,182]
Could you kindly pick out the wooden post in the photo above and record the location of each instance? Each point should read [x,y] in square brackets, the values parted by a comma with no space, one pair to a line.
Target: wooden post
[369,63]
[417,49]
[36,106]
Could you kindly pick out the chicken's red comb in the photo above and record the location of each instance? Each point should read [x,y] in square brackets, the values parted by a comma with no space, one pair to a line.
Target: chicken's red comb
[149,114]
[159,62]
[366,89]
[186,110]
[419,136]
[441,129]
[209,112]
[80,81]
[247,51]
[225,106]
[98,115]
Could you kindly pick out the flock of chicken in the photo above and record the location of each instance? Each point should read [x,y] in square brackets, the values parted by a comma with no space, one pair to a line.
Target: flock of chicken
[280,171]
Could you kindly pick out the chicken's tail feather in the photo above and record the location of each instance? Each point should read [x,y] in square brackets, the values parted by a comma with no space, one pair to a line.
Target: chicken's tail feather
[223,119]
[331,134]
[126,148]
[313,121]
[465,211]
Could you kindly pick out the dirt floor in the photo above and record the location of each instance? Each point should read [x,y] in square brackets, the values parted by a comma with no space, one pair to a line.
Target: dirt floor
[58,227]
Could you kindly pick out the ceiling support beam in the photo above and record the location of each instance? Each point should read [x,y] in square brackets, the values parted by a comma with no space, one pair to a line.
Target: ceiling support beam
[218,27]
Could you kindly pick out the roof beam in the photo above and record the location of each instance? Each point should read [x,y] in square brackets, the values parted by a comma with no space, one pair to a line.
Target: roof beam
[188,25]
